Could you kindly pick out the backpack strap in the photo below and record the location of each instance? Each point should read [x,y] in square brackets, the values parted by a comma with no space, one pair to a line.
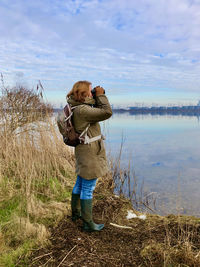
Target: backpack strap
[86,139]
[68,107]
[85,131]
[68,117]
[93,139]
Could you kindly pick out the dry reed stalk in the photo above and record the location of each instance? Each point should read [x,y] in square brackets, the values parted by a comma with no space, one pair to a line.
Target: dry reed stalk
[126,183]
[36,169]
[35,163]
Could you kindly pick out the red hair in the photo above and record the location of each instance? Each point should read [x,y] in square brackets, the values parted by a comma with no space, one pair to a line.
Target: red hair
[80,90]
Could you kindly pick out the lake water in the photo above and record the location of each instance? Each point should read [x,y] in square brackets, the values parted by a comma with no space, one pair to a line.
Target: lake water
[164,152]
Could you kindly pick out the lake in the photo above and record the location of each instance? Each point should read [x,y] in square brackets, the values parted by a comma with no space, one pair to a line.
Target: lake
[164,153]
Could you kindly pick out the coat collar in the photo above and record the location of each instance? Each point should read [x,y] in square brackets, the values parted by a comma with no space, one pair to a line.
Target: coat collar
[73,102]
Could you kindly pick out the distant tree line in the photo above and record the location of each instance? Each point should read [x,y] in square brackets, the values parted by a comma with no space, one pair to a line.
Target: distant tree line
[176,110]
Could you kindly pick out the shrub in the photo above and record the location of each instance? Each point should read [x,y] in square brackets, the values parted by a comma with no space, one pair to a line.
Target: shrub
[20,106]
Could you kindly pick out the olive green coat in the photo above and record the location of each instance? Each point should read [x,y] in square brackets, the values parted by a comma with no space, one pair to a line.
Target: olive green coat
[90,158]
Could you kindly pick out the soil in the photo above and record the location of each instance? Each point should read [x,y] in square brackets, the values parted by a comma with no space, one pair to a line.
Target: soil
[113,246]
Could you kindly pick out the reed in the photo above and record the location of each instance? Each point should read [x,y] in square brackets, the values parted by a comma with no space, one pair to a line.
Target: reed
[126,183]
[36,176]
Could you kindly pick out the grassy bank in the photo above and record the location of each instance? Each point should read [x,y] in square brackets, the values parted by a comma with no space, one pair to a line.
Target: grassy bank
[36,177]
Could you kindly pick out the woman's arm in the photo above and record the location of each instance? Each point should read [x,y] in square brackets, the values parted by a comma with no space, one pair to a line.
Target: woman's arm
[102,111]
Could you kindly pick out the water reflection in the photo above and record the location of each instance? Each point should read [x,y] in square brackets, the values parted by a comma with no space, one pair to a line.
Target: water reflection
[165,152]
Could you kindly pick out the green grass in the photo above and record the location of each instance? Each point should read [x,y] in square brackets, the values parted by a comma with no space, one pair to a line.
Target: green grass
[12,257]
[56,190]
[8,207]
[60,192]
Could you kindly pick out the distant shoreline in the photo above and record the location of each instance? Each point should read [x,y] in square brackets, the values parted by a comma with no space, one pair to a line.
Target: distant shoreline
[174,110]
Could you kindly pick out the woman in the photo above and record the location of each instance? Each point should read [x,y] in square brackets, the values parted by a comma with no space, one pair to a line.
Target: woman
[90,157]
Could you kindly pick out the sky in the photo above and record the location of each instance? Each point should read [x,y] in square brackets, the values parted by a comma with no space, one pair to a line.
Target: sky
[143,52]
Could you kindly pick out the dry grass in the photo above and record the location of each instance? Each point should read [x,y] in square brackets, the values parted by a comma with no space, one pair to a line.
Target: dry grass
[36,176]
[174,241]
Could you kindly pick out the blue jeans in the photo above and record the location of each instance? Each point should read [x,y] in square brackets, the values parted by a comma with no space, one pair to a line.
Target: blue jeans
[84,187]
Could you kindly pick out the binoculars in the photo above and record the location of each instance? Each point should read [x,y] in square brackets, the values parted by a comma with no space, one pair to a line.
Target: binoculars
[94,91]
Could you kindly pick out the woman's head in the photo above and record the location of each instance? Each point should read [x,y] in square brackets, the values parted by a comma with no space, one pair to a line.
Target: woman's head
[81,90]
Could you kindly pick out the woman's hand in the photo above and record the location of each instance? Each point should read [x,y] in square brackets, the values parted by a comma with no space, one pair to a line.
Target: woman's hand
[99,90]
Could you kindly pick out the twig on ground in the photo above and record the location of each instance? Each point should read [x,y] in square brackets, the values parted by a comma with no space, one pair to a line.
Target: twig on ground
[66,255]
[41,256]
[121,226]
[46,262]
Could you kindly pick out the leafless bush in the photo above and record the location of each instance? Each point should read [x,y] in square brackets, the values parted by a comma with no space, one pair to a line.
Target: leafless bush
[20,106]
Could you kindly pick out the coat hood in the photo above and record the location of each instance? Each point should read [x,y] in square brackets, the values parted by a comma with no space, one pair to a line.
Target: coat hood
[73,102]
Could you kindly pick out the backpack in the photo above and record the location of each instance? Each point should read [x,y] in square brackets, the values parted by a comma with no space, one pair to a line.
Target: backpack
[66,128]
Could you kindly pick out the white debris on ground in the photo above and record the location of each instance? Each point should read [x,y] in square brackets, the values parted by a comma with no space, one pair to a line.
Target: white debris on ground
[132,215]
[142,217]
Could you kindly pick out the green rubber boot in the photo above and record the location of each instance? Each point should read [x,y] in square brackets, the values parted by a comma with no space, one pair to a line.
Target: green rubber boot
[86,215]
[75,206]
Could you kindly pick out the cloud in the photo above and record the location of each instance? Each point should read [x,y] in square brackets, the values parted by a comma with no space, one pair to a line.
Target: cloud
[128,46]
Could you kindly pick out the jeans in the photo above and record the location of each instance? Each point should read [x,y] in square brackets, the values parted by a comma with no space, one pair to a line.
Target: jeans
[84,187]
